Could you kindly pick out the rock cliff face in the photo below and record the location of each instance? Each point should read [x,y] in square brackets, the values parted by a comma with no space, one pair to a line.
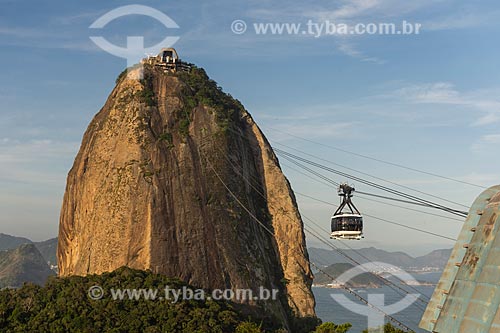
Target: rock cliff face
[148,190]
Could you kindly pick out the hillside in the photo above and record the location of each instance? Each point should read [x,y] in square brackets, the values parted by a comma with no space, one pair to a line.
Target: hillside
[437,258]
[48,250]
[24,264]
[365,280]
[8,242]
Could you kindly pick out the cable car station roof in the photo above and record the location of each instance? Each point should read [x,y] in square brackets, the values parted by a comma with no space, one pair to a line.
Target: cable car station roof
[467,297]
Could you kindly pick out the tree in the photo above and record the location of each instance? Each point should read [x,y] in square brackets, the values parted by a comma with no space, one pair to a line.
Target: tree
[388,328]
[330,327]
[248,327]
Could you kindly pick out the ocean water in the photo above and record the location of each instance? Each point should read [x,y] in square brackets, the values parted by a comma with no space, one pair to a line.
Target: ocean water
[329,309]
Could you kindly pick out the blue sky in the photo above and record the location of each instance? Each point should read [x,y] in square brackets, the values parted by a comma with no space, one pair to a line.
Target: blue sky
[430,101]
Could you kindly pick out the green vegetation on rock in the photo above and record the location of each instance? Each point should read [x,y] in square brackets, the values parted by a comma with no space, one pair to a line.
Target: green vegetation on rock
[206,92]
[147,94]
[122,75]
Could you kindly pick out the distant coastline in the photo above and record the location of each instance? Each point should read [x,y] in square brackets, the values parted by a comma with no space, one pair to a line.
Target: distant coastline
[341,286]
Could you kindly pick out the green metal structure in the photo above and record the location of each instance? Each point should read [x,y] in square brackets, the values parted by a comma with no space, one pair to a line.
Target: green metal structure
[467,297]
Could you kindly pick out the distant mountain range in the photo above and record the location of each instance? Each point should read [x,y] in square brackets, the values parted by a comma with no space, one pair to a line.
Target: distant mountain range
[435,260]
[23,264]
[47,248]
[22,260]
[8,242]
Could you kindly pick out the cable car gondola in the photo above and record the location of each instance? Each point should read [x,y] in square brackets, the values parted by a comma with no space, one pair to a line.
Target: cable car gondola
[347,224]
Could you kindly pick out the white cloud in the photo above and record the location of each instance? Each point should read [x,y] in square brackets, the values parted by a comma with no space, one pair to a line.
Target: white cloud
[489,118]
[439,92]
[462,20]
[342,10]
[16,150]
[45,39]
[370,9]
[482,101]
[33,161]
[86,17]
[485,143]
[300,117]
[350,50]
[352,9]
[23,32]
[316,130]
[485,179]
[491,138]
[478,178]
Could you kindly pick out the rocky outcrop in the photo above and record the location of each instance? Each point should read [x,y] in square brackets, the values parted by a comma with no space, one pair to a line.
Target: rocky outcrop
[171,176]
